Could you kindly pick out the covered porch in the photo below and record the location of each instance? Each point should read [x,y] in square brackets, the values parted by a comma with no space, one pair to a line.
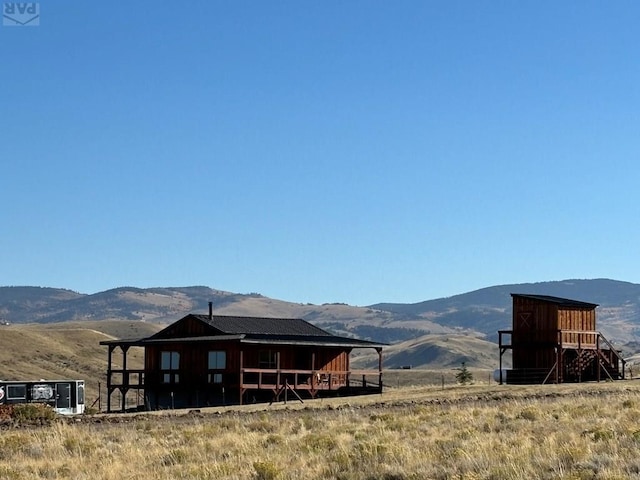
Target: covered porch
[255,370]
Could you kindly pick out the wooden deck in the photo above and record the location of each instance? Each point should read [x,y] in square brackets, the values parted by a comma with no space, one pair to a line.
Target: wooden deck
[576,355]
[310,382]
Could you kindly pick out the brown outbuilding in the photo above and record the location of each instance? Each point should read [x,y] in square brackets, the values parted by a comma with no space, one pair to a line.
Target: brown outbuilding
[555,340]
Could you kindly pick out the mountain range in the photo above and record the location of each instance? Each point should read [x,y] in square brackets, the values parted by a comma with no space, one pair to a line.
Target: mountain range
[475,316]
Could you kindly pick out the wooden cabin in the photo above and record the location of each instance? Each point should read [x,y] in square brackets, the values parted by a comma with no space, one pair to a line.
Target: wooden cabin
[208,360]
[555,340]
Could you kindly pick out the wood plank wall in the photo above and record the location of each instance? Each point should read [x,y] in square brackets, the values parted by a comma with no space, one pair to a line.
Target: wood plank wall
[535,326]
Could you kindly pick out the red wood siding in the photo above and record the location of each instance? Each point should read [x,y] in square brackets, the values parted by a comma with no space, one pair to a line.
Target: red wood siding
[535,331]
[193,368]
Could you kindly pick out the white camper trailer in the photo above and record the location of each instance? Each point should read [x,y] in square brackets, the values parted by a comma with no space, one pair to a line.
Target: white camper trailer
[64,396]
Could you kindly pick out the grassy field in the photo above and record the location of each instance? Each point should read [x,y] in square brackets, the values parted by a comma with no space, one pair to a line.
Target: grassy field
[587,431]
[422,426]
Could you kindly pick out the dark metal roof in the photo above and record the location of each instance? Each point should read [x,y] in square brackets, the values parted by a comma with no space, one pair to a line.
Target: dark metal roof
[563,302]
[255,330]
[262,326]
[324,341]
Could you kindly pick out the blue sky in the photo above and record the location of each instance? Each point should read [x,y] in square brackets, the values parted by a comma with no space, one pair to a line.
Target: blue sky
[331,151]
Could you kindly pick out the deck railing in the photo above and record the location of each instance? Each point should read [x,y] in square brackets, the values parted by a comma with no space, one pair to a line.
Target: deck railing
[579,339]
[125,378]
[260,378]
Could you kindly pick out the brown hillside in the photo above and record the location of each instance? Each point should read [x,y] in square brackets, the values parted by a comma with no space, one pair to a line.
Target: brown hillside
[435,351]
[66,350]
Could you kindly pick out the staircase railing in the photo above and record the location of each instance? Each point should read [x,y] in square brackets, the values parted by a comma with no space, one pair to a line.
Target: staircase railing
[608,358]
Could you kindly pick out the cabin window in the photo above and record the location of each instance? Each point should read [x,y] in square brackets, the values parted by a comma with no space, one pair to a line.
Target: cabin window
[217,361]
[170,364]
[268,359]
[16,392]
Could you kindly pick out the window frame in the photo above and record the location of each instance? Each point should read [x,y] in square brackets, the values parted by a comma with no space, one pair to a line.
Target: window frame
[268,359]
[216,365]
[170,366]
[9,389]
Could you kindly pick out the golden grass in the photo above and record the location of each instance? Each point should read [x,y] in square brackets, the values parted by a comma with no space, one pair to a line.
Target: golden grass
[479,432]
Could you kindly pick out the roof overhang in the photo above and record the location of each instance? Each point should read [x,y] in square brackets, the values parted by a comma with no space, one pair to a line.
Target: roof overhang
[313,343]
[319,341]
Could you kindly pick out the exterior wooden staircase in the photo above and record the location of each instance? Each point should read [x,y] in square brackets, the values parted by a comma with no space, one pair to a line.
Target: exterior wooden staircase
[583,360]
[592,361]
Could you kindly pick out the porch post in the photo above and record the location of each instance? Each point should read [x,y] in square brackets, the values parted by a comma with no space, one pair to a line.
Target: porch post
[125,378]
[559,353]
[598,357]
[379,350]
[501,352]
[109,356]
[241,387]
[278,369]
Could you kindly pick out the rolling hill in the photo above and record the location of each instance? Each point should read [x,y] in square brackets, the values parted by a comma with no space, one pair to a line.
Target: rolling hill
[489,309]
[56,333]
[481,312]
[68,350]
[166,305]
[434,351]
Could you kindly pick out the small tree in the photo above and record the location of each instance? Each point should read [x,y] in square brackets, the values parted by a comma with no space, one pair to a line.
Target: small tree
[464,376]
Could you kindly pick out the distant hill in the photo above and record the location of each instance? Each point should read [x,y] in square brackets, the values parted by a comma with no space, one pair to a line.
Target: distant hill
[166,305]
[479,313]
[434,351]
[489,309]
[56,332]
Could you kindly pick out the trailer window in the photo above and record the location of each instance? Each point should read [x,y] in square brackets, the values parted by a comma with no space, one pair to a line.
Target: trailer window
[80,393]
[16,392]
[42,391]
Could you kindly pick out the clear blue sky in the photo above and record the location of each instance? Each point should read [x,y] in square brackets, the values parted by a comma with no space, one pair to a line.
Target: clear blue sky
[320,151]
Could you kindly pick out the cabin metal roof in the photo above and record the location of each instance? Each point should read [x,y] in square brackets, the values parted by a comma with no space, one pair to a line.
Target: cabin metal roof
[262,325]
[324,341]
[562,302]
[254,330]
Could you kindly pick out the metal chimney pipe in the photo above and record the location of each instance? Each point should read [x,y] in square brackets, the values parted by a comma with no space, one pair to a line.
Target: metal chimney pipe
[210,310]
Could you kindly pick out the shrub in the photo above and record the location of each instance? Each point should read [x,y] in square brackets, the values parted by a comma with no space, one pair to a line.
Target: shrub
[529,413]
[33,413]
[266,471]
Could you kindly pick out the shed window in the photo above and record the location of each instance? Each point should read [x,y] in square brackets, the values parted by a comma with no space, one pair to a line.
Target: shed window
[170,364]
[268,359]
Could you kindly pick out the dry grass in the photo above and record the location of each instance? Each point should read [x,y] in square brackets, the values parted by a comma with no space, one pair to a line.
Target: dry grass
[480,432]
